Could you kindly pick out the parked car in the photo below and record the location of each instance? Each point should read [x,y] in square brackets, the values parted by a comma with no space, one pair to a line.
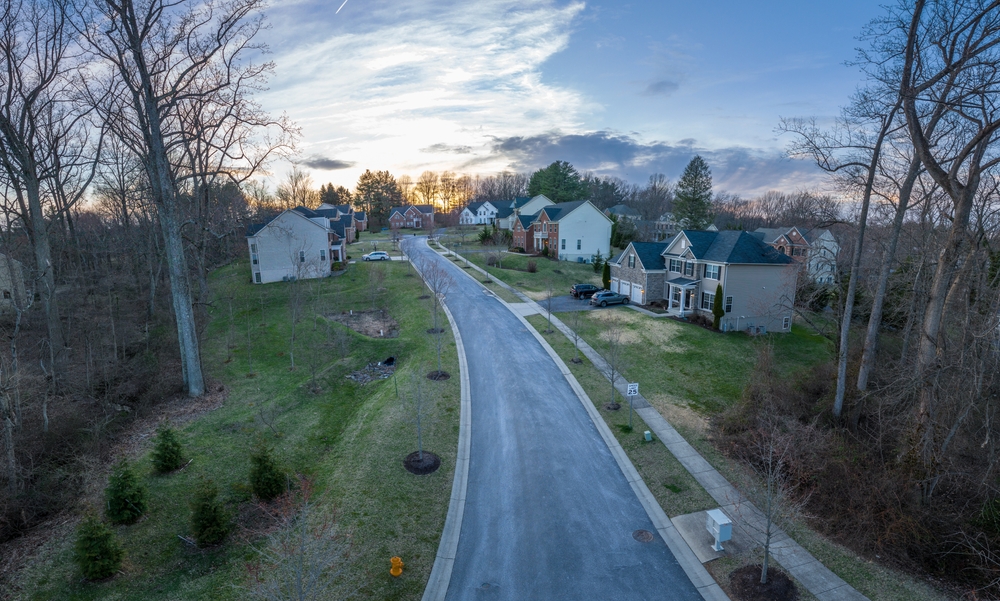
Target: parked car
[607,297]
[583,290]
[378,255]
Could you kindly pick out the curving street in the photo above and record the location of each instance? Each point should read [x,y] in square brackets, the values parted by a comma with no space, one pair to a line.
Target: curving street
[549,514]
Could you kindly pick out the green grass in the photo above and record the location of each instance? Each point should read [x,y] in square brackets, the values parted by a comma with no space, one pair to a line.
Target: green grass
[674,488]
[707,370]
[560,275]
[349,439]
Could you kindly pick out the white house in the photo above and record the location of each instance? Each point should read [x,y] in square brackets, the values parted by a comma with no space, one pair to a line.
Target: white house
[523,205]
[479,213]
[298,243]
[815,249]
[571,231]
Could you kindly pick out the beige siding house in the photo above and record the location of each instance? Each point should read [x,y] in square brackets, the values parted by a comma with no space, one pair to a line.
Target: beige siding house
[758,282]
[296,244]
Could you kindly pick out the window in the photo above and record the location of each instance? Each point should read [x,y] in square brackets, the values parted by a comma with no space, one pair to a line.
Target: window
[302,256]
[253,247]
[712,272]
[675,265]
[563,244]
[707,300]
[545,228]
[578,243]
[785,321]
[253,259]
[631,261]
[322,254]
[256,276]
[796,252]
[6,294]
[729,304]
[688,268]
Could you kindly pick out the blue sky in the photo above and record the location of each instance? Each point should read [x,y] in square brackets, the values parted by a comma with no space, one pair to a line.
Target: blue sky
[625,89]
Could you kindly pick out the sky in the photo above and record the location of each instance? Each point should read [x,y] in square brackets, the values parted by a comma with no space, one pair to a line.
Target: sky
[624,89]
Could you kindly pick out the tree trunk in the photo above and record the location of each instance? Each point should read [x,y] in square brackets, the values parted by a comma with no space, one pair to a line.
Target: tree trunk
[46,273]
[878,303]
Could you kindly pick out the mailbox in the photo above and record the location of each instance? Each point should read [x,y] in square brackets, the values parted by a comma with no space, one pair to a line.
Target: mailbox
[719,526]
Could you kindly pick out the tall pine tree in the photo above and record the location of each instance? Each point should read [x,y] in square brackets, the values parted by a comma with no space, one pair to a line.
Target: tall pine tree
[693,197]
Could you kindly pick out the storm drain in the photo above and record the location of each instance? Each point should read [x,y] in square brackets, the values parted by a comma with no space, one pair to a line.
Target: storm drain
[643,536]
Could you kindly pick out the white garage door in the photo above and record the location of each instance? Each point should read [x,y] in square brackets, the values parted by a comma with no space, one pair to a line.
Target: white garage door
[625,288]
[614,285]
[637,295]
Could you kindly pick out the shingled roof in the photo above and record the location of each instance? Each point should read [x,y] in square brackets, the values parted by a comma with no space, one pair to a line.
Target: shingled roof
[732,246]
[650,254]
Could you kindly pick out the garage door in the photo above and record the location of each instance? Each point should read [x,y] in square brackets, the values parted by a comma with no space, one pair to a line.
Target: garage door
[625,288]
[614,285]
[637,295]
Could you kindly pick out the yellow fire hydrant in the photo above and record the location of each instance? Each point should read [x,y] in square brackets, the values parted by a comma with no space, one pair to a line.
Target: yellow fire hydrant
[397,566]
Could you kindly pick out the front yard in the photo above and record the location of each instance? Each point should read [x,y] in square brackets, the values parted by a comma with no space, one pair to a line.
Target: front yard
[558,276]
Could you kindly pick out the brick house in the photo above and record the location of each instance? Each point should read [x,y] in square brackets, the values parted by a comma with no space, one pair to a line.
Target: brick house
[411,216]
[571,231]
[815,249]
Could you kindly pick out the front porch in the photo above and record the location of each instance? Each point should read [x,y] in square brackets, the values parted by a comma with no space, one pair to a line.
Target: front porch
[682,296]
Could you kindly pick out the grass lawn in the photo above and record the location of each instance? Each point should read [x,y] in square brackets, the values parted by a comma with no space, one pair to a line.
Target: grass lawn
[689,364]
[560,275]
[350,439]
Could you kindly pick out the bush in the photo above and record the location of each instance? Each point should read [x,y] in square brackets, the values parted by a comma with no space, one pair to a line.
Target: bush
[167,455]
[517,249]
[337,266]
[545,251]
[266,480]
[532,267]
[125,495]
[96,551]
[209,519]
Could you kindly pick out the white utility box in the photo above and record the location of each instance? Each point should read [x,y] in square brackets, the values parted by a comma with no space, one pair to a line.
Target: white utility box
[720,526]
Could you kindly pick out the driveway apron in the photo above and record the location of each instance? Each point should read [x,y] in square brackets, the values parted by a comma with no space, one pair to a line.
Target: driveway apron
[549,514]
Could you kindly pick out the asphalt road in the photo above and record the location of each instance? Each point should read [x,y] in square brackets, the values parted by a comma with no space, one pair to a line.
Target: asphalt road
[549,514]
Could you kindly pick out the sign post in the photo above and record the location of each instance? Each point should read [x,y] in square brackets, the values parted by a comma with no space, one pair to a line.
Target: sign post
[633,389]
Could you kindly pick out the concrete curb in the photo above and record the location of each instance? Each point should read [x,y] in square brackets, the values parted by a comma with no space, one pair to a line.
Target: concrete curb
[444,561]
[688,561]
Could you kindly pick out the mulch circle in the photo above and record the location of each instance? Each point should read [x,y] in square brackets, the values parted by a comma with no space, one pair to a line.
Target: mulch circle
[423,297]
[438,376]
[612,406]
[428,465]
[435,330]
[576,360]
[745,585]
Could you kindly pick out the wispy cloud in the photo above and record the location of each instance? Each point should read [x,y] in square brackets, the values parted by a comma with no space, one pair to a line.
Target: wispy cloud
[664,87]
[447,148]
[326,164]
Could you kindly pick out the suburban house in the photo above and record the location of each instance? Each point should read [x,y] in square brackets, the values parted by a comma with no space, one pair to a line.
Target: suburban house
[360,221]
[815,249]
[343,213]
[758,282]
[298,243]
[12,283]
[623,211]
[411,216]
[665,227]
[524,205]
[571,231]
[485,213]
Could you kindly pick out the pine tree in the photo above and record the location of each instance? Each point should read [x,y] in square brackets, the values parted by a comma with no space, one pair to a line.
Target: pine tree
[693,197]
[167,454]
[125,495]
[606,276]
[717,309]
[266,479]
[209,519]
[96,550]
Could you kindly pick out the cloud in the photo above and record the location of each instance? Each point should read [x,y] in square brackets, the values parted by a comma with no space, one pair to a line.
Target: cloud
[741,170]
[664,87]
[447,148]
[320,162]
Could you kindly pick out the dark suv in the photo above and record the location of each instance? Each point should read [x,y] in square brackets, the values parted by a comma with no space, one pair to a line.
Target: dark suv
[583,290]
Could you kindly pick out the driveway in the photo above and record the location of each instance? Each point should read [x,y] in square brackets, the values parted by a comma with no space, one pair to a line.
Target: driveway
[549,514]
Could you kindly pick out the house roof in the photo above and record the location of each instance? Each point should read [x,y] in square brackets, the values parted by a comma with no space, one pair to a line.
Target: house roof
[338,227]
[473,207]
[526,220]
[400,210]
[345,208]
[650,254]
[424,208]
[682,281]
[624,210]
[732,246]
[504,211]
[770,234]
[557,211]
[520,201]
[360,216]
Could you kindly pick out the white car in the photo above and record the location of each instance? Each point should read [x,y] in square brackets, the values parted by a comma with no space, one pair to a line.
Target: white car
[378,255]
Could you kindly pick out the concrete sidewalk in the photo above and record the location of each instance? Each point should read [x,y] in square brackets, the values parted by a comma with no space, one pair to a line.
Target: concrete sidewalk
[795,559]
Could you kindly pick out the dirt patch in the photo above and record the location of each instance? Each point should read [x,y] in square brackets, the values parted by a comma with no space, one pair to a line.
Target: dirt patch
[745,585]
[438,376]
[435,330]
[374,324]
[421,467]
[612,406]
[675,411]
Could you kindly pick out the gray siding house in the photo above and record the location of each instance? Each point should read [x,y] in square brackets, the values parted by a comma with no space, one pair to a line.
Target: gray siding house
[758,282]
